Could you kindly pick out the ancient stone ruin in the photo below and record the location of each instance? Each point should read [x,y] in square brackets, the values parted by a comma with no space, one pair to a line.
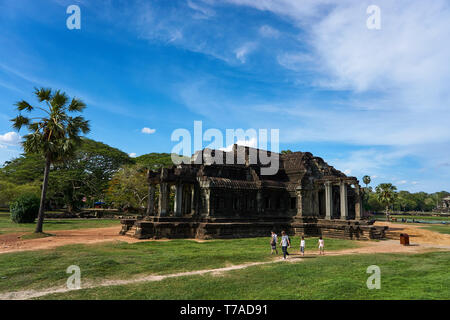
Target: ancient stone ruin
[207,198]
[444,206]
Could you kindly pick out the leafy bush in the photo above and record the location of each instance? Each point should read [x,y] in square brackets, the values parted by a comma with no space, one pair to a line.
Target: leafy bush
[24,209]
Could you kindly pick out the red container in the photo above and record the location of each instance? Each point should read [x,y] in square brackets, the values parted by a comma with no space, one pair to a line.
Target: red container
[404,239]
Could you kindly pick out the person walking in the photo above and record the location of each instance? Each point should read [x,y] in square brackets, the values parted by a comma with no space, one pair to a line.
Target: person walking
[285,243]
[302,246]
[321,246]
[273,243]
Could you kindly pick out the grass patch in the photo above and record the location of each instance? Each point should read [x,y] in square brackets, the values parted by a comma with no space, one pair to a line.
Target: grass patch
[445,229]
[120,260]
[7,226]
[418,276]
[423,218]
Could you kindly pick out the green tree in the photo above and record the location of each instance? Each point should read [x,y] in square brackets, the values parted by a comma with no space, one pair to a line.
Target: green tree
[25,169]
[366,180]
[53,133]
[154,160]
[86,174]
[386,195]
[128,189]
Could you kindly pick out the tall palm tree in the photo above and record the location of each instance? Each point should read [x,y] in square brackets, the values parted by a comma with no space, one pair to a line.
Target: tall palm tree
[366,180]
[52,132]
[386,194]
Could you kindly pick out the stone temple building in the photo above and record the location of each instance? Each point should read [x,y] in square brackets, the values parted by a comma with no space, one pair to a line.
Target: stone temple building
[444,205]
[207,199]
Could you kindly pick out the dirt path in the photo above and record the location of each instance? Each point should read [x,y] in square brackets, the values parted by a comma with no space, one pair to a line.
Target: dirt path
[13,243]
[388,246]
[421,241]
[416,233]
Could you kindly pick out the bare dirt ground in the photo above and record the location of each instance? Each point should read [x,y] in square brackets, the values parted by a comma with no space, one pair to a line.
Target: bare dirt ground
[13,243]
[416,233]
[421,241]
[419,238]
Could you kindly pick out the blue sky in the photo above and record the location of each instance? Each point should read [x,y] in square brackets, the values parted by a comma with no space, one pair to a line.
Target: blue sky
[370,102]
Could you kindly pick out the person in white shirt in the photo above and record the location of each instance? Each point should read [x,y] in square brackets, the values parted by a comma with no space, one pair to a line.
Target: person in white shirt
[273,242]
[285,243]
[321,246]
[302,245]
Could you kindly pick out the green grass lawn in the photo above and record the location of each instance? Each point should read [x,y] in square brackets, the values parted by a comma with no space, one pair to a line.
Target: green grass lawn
[439,228]
[399,217]
[120,260]
[419,276]
[7,226]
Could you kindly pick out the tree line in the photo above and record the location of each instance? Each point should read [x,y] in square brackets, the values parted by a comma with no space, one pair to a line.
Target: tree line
[386,198]
[66,170]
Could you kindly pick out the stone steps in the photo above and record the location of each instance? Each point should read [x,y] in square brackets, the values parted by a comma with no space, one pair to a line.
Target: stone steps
[131,232]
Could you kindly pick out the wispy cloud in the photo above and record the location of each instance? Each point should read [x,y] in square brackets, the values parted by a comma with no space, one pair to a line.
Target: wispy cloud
[243,51]
[269,32]
[148,130]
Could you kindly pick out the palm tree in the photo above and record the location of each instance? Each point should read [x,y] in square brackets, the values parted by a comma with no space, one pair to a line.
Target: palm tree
[366,180]
[386,194]
[52,133]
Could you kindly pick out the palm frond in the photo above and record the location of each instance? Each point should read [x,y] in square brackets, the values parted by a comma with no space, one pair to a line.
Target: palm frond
[59,100]
[19,122]
[23,105]
[57,135]
[43,94]
[76,105]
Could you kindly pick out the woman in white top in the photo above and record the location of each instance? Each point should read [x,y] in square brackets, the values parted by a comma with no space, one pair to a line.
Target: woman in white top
[321,246]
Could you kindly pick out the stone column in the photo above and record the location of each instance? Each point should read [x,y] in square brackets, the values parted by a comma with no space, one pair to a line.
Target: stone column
[358,203]
[163,199]
[299,193]
[207,199]
[328,200]
[151,200]
[193,206]
[178,210]
[316,206]
[343,200]
[259,201]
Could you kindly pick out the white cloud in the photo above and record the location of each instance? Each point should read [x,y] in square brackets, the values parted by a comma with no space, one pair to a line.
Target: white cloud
[10,139]
[201,12]
[370,161]
[242,52]
[295,61]
[133,155]
[148,130]
[269,32]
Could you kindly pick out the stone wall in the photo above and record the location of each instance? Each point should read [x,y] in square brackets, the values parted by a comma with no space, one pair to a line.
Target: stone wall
[173,228]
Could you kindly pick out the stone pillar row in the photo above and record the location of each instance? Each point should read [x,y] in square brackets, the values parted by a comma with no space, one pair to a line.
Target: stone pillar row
[163,201]
[343,201]
[328,200]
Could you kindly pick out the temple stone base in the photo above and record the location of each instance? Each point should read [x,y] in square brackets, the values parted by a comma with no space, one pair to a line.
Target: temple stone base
[223,228]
